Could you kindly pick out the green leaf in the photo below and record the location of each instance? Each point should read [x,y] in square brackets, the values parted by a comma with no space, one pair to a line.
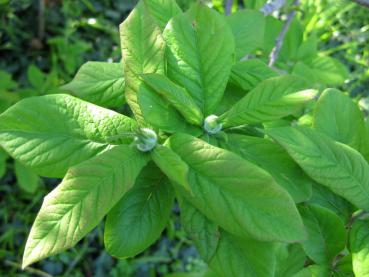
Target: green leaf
[254,4]
[26,178]
[308,49]
[243,257]
[101,83]
[200,55]
[140,216]
[340,168]
[314,271]
[326,233]
[239,196]
[273,27]
[203,232]
[291,42]
[36,77]
[161,114]
[248,74]
[143,51]
[359,247]
[176,95]
[54,132]
[274,159]
[302,70]
[6,81]
[343,267]
[340,118]
[290,260]
[87,193]
[3,158]
[171,165]
[329,71]
[248,29]
[232,95]
[270,100]
[162,10]
[7,98]
[327,199]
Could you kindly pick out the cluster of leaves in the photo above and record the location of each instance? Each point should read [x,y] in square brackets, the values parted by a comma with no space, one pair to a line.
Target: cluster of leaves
[91,23]
[257,195]
[342,28]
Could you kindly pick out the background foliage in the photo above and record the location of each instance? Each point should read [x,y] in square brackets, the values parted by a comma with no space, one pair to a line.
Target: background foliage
[43,43]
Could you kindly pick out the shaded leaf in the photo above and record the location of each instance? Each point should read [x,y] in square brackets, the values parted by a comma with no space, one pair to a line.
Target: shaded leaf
[138,219]
[239,196]
[337,166]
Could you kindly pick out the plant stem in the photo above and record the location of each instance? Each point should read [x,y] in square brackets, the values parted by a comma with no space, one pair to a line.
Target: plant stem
[28,269]
[41,19]
[228,7]
[279,41]
[272,6]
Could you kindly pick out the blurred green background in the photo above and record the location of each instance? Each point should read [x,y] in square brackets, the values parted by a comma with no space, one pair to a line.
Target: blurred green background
[42,45]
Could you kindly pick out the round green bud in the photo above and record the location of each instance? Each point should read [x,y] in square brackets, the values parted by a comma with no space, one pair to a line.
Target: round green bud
[146,140]
[212,125]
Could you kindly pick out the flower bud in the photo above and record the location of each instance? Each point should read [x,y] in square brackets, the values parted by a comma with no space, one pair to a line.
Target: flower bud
[212,125]
[146,140]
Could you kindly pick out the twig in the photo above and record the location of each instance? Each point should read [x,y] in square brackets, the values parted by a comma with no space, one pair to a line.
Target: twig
[364,3]
[41,19]
[272,6]
[279,41]
[28,269]
[228,7]
[355,217]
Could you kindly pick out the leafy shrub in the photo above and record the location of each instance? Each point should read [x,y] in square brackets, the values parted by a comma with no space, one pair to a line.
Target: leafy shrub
[271,176]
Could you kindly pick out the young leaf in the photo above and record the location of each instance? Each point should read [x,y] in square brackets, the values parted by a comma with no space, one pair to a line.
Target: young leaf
[204,233]
[176,96]
[101,83]
[270,100]
[239,196]
[161,114]
[87,193]
[248,74]
[359,246]
[171,165]
[243,257]
[162,10]
[326,233]
[200,54]
[140,216]
[290,260]
[339,117]
[248,29]
[26,178]
[142,51]
[54,132]
[337,166]
[274,159]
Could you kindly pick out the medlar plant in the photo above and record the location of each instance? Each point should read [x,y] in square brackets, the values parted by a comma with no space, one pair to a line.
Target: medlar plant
[266,178]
